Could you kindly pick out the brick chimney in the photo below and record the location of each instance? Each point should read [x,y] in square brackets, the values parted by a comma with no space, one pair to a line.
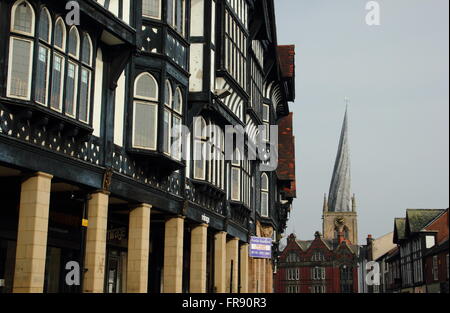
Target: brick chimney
[369,240]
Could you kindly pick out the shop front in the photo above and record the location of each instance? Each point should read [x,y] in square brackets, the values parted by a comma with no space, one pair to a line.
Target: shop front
[116,253]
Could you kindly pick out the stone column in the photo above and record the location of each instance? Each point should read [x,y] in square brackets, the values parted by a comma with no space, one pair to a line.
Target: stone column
[252,278]
[220,253]
[138,249]
[245,275]
[198,259]
[95,260]
[32,234]
[173,255]
[263,275]
[232,257]
[269,277]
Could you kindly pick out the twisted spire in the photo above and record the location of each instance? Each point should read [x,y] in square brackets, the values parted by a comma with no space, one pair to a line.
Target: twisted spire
[340,198]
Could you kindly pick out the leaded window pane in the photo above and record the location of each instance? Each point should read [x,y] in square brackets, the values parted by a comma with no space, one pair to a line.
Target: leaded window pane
[20,68]
[146,87]
[44,26]
[178,101]
[264,204]
[176,140]
[42,75]
[235,184]
[73,42]
[57,78]
[59,34]
[145,125]
[87,50]
[71,86]
[151,8]
[23,18]
[84,95]
[166,131]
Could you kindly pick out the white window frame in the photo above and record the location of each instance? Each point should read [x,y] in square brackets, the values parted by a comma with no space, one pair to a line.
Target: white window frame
[77,55]
[159,12]
[266,192]
[62,82]
[30,68]
[150,101]
[11,49]
[59,20]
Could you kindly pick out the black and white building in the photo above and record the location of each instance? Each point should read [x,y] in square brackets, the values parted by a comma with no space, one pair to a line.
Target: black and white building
[91,108]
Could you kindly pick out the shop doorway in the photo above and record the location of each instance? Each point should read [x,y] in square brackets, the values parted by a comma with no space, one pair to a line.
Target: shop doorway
[116,271]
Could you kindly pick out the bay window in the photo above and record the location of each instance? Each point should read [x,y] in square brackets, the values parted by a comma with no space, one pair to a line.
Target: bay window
[62,76]
[145,112]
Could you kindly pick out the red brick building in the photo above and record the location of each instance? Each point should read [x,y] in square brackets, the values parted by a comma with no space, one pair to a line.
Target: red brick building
[317,266]
[436,259]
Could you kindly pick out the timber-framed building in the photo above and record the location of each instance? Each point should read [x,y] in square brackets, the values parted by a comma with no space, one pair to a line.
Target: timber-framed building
[90,173]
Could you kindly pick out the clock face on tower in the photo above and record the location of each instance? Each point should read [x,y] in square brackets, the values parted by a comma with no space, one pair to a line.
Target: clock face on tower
[339,221]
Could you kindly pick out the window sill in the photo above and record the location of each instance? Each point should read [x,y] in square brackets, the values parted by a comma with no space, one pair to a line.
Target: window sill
[204,186]
[165,164]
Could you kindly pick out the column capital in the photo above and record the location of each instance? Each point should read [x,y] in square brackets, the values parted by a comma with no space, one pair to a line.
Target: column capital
[42,174]
[140,205]
[100,191]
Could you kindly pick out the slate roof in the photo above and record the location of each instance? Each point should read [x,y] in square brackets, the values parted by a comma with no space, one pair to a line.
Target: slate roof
[400,231]
[417,219]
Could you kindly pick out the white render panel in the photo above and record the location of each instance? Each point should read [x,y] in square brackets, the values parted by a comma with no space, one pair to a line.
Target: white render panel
[119,110]
[98,90]
[197,18]
[196,68]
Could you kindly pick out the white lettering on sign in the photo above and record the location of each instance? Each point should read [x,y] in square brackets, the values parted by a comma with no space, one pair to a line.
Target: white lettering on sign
[205,219]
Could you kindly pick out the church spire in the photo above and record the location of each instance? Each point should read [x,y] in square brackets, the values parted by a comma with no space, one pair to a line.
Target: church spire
[339,198]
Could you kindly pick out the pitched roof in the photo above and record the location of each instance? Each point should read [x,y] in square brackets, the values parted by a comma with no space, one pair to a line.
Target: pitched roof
[417,219]
[399,229]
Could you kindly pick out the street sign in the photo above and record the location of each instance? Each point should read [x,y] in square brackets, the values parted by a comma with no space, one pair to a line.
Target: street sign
[261,248]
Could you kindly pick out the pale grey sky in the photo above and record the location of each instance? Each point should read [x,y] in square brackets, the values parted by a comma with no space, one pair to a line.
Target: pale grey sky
[396,76]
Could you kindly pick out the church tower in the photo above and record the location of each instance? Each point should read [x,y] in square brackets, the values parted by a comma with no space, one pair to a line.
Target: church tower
[340,220]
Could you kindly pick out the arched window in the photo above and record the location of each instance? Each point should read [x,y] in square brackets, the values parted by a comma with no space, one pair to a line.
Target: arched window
[151,8]
[199,148]
[23,18]
[43,60]
[74,42]
[60,34]
[86,52]
[21,51]
[264,195]
[58,68]
[145,109]
[58,71]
